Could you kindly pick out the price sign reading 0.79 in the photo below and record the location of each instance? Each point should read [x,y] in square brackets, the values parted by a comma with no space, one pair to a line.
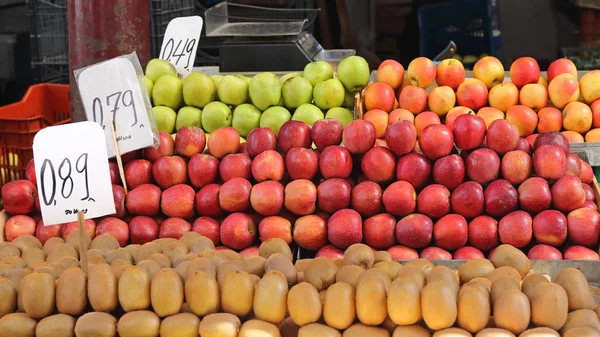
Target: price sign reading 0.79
[112,103]
[71,169]
[181,42]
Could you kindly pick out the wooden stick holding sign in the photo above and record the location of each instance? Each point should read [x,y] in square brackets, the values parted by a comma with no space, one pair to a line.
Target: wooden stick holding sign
[83,261]
[118,154]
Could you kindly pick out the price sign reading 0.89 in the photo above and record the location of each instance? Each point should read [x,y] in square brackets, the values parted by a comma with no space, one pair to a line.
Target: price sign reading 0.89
[181,42]
[72,172]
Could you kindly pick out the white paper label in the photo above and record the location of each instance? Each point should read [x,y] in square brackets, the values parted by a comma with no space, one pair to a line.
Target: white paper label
[110,91]
[72,172]
[181,42]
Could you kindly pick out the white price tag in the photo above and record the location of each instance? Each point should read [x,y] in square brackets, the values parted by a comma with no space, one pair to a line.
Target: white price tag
[72,172]
[181,42]
[110,91]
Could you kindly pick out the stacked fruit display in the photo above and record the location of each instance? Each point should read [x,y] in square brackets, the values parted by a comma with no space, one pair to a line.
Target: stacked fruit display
[186,288]
[499,189]
[531,102]
[246,103]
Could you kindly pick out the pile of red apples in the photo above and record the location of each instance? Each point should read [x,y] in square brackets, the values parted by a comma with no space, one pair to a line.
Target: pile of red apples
[465,191]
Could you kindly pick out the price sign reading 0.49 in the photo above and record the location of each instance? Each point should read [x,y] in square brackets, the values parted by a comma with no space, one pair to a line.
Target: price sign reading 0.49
[72,173]
[110,91]
[181,42]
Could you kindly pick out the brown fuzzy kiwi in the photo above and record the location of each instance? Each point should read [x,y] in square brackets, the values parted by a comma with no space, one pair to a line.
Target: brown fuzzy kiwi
[361,330]
[542,332]
[16,276]
[180,325]
[71,292]
[359,254]
[382,256]
[201,245]
[412,331]
[146,250]
[15,261]
[577,288]
[106,243]
[69,262]
[166,292]
[189,238]
[93,260]
[48,270]
[183,258]
[162,260]
[8,294]
[391,268]
[120,253]
[281,263]
[423,264]
[438,305]
[17,325]
[174,249]
[301,264]
[512,311]
[237,293]
[102,288]
[270,298]
[255,265]
[59,251]
[151,266]
[495,332]
[288,328]
[501,285]
[404,301]
[318,330]
[26,241]
[304,304]
[230,255]
[32,266]
[139,323]
[50,243]
[8,249]
[59,325]
[255,279]
[120,263]
[531,281]
[375,273]
[321,273]
[445,274]
[73,240]
[254,327]
[214,255]
[38,295]
[274,246]
[182,268]
[132,248]
[474,307]
[549,306]
[59,267]
[95,252]
[134,289]
[226,268]
[452,332]
[4,267]
[414,273]
[502,272]
[202,294]
[349,274]
[96,324]
[371,301]
[201,264]
[507,255]
[582,318]
[473,269]
[219,325]
[582,332]
[339,308]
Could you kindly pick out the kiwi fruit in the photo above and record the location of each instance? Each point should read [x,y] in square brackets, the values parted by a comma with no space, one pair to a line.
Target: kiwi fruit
[281,263]
[502,272]
[452,332]
[134,289]
[139,323]
[120,253]
[201,264]
[4,267]
[577,288]
[146,250]
[549,306]
[411,330]
[304,304]
[339,309]
[202,244]
[255,265]
[473,269]
[180,325]
[349,274]
[189,238]
[17,325]
[26,241]
[582,332]
[69,262]
[38,295]
[371,301]
[59,251]
[174,249]
[391,268]
[321,273]
[59,325]
[270,298]
[404,301]
[361,330]
[495,332]
[105,243]
[360,255]
[231,255]
[438,305]
[274,246]
[382,256]
[227,268]
[15,262]
[382,276]
[96,324]
[95,260]
[73,240]
[202,294]
[16,276]
[161,259]
[512,311]
[540,332]
[318,330]
[184,258]
[219,325]
[59,267]
[237,293]
[486,283]
[132,248]
[473,307]
[507,255]
[255,327]
[8,249]
[151,266]
[301,264]
[288,328]
[166,292]
[102,288]
[182,268]
[423,264]
[530,282]
[582,318]
[71,292]
[414,273]
[8,294]
[47,246]
[443,273]
[214,255]
[501,285]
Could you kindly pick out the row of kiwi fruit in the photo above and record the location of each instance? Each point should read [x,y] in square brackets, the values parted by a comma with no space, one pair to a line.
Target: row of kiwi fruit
[185,287]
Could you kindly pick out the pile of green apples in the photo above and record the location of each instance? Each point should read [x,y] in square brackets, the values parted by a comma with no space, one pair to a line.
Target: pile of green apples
[247,103]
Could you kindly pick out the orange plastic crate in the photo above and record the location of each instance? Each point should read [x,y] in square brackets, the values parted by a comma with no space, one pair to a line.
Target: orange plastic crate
[43,105]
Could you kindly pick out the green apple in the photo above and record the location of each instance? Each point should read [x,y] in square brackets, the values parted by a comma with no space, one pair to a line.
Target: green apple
[274,117]
[167,91]
[217,78]
[317,72]
[308,114]
[286,77]
[247,79]
[215,115]
[329,94]
[199,90]
[233,90]
[173,135]
[354,73]
[149,85]
[189,116]
[158,68]
[341,114]
[265,90]
[165,118]
[206,134]
[296,91]
[246,117]
[242,140]
[349,100]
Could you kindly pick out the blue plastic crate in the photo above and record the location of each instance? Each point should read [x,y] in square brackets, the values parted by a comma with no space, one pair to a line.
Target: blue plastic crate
[471,24]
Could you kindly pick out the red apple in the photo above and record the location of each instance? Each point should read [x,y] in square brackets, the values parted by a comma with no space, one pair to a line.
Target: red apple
[359,136]
[138,172]
[44,233]
[549,162]
[379,164]
[483,233]
[390,72]
[483,166]
[573,165]
[435,253]
[366,198]
[584,227]
[330,252]
[19,225]
[169,171]
[300,197]
[268,165]
[266,198]
[472,93]
[451,232]
[178,201]
[207,201]
[294,134]
[414,231]
[189,141]
[335,162]
[501,198]
[580,253]
[544,252]
[224,141]
[203,169]
[589,192]
[416,169]
[143,200]
[19,197]
[238,231]
[567,194]
[502,136]
[515,229]
[524,146]
[400,198]
[434,201]
[113,169]
[587,174]
[401,137]
[400,253]
[550,227]
[249,252]
[143,229]
[174,228]
[344,228]
[561,66]
[30,172]
[333,194]
[534,195]
[468,131]
[234,195]
[467,199]
[89,226]
[590,204]
[235,165]
[327,132]
[260,140]
[129,156]
[310,232]
[552,138]
[166,148]
[379,95]
[516,166]
[119,199]
[449,171]
[114,227]
[378,231]
[524,70]
[275,227]
[436,141]
[301,163]
[467,253]
[208,227]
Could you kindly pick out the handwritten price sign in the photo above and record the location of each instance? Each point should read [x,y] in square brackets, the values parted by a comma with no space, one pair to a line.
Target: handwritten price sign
[111,92]
[181,42]
[72,172]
